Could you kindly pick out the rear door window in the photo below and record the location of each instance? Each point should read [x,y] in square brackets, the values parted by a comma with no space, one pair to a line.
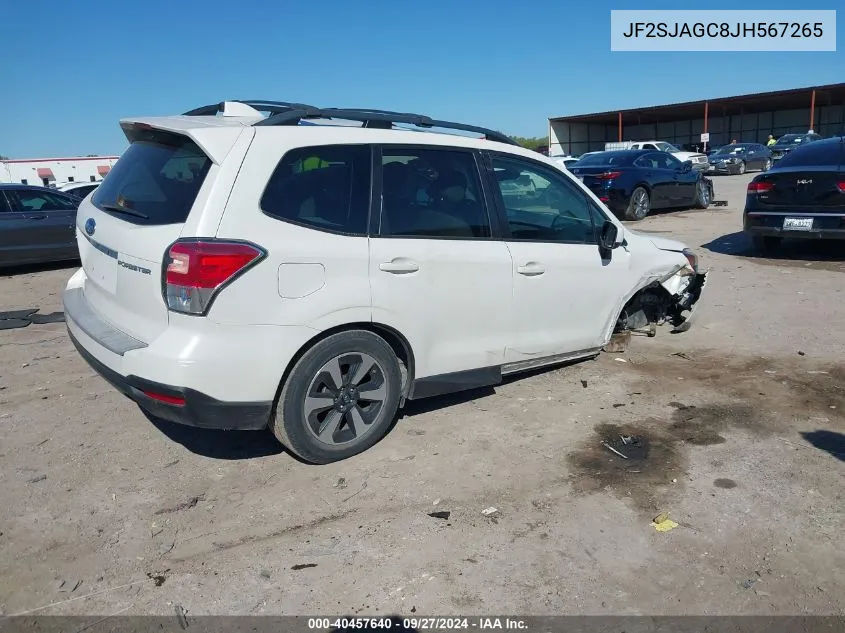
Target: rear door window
[325,187]
[428,192]
[156,180]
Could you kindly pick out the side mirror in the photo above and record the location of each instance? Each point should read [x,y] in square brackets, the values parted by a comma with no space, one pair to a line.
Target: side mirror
[686,166]
[607,237]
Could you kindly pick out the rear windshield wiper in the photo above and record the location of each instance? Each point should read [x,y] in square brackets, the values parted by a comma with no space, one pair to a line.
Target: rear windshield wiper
[120,209]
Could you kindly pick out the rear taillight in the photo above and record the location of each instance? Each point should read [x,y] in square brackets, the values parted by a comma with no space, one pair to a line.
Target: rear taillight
[609,175]
[196,270]
[841,186]
[760,187]
[177,401]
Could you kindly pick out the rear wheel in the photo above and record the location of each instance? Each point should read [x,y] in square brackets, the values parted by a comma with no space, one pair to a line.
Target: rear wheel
[766,243]
[340,398]
[639,204]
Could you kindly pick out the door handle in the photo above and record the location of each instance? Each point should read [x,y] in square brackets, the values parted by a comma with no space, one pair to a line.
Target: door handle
[531,269]
[399,266]
[36,217]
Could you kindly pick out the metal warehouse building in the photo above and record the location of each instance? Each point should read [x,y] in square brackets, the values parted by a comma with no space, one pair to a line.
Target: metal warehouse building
[747,118]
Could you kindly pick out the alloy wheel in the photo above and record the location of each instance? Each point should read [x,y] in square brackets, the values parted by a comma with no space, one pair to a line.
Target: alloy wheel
[640,203]
[345,398]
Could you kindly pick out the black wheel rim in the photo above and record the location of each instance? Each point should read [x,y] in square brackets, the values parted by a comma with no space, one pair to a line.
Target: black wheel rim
[345,398]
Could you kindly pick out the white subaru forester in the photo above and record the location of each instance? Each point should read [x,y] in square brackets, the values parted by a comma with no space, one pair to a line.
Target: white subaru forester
[265,264]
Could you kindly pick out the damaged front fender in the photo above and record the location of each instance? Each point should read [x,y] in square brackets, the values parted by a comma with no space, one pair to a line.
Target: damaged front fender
[685,302]
[670,298]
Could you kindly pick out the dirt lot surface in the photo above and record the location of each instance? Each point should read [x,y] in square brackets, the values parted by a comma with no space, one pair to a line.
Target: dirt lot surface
[739,428]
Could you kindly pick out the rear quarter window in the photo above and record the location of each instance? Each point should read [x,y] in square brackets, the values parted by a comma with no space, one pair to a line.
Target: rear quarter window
[155,181]
[324,187]
[815,154]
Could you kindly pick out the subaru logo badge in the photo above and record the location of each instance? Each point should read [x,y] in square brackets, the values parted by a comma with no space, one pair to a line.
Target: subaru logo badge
[90,226]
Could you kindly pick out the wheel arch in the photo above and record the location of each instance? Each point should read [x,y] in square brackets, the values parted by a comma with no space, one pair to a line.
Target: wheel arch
[400,345]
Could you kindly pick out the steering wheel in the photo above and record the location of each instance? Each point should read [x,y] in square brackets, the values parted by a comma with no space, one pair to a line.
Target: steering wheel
[558,224]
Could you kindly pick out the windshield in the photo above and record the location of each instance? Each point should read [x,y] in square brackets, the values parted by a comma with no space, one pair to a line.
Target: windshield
[731,149]
[666,147]
[790,139]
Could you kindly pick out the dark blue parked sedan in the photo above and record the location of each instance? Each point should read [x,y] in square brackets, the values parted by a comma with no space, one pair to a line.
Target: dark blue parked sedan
[740,157]
[36,225]
[633,182]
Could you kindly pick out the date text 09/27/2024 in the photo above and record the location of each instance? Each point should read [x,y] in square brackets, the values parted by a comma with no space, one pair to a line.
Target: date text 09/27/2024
[417,624]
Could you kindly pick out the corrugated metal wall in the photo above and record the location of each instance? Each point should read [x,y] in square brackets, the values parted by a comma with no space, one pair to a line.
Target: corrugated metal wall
[577,138]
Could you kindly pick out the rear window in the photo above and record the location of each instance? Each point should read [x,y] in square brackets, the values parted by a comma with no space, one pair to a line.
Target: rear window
[605,158]
[325,187]
[156,180]
[814,154]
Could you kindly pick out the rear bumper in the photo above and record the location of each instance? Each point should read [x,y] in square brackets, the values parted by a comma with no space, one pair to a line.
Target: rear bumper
[198,410]
[825,226]
[205,374]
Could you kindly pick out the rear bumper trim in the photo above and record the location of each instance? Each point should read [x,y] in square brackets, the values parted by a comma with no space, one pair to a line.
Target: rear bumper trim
[114,340]
[824,234]
[199,410]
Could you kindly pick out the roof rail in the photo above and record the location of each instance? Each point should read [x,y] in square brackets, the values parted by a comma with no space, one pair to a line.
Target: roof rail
[288,113]
[380,119]
[273,107]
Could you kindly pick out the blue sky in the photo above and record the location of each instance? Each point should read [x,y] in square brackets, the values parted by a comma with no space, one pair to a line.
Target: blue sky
[72,70]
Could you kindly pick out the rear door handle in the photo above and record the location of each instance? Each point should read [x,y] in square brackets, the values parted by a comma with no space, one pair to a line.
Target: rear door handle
[36,217]
[399,266]
[531,269]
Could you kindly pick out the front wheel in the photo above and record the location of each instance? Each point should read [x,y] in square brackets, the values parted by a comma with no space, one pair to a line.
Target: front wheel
[767,165]
[639,205]
[702,195]
[740,169]
[340,398]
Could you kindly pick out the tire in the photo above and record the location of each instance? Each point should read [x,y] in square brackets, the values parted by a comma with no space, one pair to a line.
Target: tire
[766,243]
[702,195]
[639,205]
[741,168]
[767,165]
[351,422]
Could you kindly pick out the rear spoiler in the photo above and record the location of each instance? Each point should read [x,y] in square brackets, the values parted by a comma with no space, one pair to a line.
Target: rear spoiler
[216,141]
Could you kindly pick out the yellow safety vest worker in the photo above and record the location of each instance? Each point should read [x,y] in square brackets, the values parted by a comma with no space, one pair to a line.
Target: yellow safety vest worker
[313,162]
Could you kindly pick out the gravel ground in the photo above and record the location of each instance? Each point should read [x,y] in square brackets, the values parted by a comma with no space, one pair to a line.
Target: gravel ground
[741,439]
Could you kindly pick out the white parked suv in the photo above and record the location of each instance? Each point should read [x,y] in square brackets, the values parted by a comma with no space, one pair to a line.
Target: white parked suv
[243,271]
